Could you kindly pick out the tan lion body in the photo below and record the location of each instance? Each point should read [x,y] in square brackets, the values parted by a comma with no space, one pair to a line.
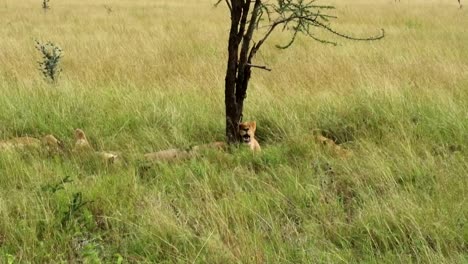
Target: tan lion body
[247,133]
[174,154]
[20,143]
[52,144]
[48,143]
[82,146]
[167,155]
[332,146]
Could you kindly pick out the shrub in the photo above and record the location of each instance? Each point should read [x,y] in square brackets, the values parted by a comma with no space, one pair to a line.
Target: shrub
[51,56]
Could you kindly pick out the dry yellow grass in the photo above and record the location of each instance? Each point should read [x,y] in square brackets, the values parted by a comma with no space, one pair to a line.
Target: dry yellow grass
[181,44]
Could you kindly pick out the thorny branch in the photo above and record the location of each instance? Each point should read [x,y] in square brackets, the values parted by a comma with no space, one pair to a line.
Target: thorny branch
[296,16]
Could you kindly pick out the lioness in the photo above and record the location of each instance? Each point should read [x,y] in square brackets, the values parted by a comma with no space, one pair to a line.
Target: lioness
[48,143]
[81,142]
[168,154]
[332,146]
[52,144]
[82,146]
[247,134]
[247,137]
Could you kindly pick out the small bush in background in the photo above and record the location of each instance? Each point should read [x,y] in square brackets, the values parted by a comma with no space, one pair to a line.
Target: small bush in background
[51,56]
[45,4]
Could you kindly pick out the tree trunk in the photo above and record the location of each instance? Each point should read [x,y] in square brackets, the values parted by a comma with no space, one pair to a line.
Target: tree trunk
[232,113]
[238,66]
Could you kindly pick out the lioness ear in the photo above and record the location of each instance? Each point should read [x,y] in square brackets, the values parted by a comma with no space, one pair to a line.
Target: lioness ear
[253,125]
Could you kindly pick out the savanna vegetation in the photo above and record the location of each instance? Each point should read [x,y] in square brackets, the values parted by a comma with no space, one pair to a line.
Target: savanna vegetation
[141,76]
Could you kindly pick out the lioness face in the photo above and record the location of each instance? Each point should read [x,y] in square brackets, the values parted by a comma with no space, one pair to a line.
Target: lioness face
[247,131]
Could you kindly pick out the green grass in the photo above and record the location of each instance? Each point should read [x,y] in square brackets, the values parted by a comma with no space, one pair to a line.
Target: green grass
[400,198]
[400,105]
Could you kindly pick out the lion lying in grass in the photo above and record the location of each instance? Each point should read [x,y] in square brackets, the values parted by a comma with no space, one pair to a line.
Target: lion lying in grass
[332,146]
[82,147]
[247,134]
[47,143]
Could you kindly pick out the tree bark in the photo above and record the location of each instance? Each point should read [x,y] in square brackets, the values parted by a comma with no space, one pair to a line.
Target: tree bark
[244,69]
[232,113]
[238,66]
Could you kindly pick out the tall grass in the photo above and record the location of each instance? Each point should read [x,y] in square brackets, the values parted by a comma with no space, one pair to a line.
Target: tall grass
[149,76]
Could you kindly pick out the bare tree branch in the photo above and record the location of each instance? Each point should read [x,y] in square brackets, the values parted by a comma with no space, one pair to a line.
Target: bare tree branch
[259,67]
[227,3]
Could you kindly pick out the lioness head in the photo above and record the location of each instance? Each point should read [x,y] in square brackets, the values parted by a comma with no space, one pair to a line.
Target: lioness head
[247,131]
[79,134]
[81,142]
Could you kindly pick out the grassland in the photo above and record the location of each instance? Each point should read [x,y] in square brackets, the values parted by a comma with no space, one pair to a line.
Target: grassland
[149,76]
